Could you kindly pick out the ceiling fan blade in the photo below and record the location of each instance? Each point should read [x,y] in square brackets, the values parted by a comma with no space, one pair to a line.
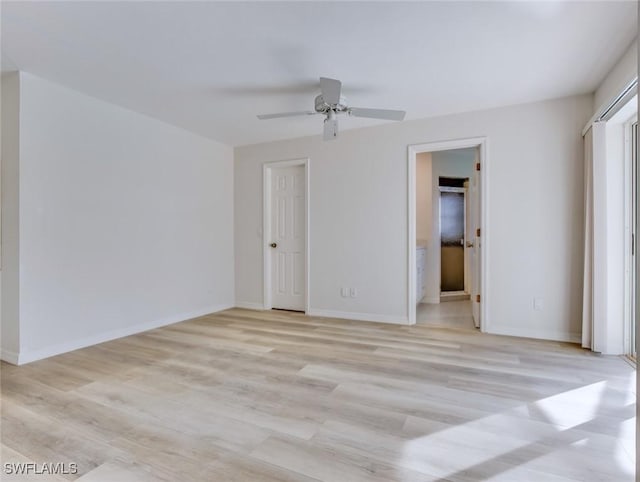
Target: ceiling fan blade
[330,128]
[330,89]
[286,114]
[386,114]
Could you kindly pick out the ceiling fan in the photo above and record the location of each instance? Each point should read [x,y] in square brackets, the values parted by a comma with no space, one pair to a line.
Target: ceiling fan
[330,103]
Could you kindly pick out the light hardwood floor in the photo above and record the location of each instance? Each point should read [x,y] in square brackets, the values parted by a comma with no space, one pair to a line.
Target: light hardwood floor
[259,396]
[447,314]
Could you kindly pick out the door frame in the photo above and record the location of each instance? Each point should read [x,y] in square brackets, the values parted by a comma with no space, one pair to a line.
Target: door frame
[412,151]
[267,169]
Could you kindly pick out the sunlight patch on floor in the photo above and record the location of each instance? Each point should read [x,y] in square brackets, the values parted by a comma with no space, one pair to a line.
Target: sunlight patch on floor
[573,407]
[559,435]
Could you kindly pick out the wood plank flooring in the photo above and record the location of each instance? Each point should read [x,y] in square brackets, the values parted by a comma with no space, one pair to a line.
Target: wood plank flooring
[263,396]
[447,314]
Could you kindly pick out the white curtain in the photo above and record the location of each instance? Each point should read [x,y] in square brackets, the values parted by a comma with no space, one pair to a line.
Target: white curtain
[587,291]
[595,292]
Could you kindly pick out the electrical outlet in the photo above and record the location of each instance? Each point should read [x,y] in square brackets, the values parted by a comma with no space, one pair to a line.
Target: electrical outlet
[344,292]
[538,304]
[353,292]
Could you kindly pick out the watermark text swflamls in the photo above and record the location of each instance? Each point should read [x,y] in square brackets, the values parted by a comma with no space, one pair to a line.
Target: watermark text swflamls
[45,468]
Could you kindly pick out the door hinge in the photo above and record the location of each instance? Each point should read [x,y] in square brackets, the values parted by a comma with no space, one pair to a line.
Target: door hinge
[478,232]
[477,166]
[477,298]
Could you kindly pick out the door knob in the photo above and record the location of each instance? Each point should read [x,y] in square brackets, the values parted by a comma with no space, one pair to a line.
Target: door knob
[469,244]
[274,245]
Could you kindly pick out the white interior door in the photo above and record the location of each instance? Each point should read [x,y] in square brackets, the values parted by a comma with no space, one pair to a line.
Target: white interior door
[288,238]
[474,245]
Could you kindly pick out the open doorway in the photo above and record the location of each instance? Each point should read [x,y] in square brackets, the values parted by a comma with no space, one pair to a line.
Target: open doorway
[446,221]
[454,282]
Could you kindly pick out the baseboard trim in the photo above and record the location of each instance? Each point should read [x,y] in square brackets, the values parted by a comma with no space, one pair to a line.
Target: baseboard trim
[28,356]
[537,334]
[9,356]
[249,306]
[349,315]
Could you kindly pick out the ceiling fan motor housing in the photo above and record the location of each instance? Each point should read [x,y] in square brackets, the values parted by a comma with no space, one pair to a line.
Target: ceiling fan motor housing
[323,107]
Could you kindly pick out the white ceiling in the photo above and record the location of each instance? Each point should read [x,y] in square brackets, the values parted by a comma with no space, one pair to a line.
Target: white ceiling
[211,67]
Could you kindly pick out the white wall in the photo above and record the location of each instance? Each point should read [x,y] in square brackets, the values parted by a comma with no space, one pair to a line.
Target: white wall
[125,222]
[625,70]
[457,163]
[358,203]
[423,197]
[10,330]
